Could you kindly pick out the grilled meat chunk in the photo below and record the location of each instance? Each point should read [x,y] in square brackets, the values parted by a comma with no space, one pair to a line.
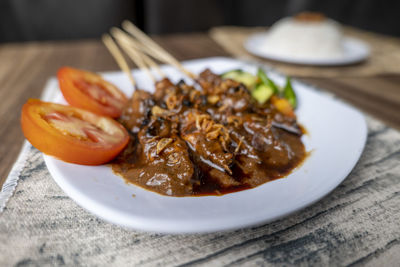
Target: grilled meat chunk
[137,111]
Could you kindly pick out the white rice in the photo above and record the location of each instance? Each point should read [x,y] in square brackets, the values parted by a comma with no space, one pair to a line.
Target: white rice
[304,39]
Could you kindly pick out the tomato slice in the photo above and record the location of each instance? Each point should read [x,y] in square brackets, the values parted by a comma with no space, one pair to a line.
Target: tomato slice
[72,134]
[87,90]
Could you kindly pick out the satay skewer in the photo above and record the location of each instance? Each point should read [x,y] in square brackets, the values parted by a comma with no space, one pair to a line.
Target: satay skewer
[119,58]
[140,49]
[155,48]
[133,54]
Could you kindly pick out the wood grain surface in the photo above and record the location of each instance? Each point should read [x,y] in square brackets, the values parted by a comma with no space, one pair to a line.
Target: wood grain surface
[25,68]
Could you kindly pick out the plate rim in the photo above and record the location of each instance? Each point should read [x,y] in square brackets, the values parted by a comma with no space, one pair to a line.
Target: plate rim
[362,45]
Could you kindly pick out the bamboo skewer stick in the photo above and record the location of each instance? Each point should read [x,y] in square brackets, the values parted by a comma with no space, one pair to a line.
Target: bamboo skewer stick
[139,47]
[147,41]
[140,51]
[119,58]
[132,53]
[153,65]
[157,54]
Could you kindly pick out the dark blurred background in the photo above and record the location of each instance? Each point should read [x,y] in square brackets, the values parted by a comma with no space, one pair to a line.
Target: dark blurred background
[28,20]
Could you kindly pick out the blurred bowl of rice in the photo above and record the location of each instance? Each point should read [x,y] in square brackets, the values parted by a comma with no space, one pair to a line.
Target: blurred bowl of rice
[307,38]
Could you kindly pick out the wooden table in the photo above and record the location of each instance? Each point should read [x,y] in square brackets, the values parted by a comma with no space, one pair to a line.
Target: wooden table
[25,68]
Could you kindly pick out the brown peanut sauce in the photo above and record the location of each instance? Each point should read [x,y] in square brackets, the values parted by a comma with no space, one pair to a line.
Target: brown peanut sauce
[213,141]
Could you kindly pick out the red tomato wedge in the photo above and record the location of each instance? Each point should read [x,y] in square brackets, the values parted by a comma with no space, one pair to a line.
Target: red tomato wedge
[71,134]
[88,90]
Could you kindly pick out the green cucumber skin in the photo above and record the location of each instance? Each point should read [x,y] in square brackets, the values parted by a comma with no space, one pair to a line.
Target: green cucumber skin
[289,93]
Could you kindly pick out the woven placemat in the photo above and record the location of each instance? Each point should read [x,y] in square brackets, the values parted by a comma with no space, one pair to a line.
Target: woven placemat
[384,58]
[358,223]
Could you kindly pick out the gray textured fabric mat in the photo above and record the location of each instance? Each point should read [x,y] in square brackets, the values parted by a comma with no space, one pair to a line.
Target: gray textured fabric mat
[357,224]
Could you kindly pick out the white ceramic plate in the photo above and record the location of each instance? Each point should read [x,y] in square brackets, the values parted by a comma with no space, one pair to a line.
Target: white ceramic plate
[354,51]
[337,134]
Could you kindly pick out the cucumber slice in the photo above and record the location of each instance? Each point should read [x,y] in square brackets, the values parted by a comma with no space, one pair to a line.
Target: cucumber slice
[262,93]
[248,79]
[267,81]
